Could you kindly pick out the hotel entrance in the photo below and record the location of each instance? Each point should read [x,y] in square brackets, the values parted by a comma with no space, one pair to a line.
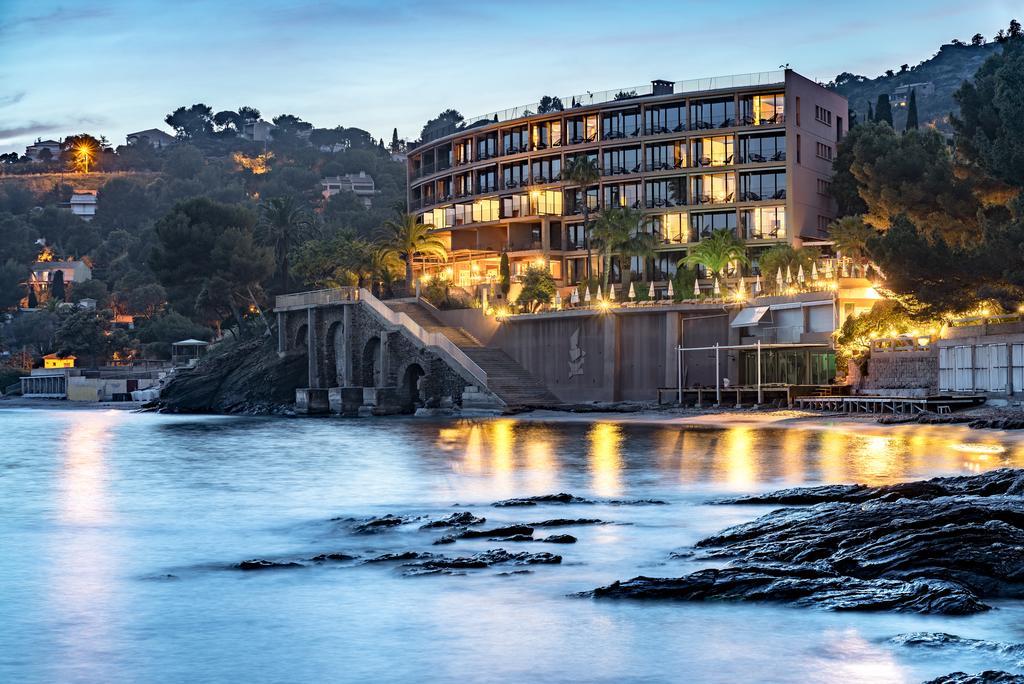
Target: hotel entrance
[796,366]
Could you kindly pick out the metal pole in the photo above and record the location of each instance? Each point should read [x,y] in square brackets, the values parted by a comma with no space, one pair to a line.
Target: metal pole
[718,379]
[679,374]
[760,393]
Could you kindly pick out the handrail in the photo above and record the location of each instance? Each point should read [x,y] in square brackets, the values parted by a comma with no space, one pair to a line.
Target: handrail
[427,338]
[300,300]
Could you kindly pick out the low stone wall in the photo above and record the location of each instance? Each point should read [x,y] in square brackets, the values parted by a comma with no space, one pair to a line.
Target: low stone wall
[904,370]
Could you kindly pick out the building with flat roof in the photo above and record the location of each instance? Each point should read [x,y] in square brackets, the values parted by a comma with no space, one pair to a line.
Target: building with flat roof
[749,153]
[359,183]
[35,150]
[83,205]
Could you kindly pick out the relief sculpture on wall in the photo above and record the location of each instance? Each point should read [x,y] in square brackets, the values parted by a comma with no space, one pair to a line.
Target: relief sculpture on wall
[576,355]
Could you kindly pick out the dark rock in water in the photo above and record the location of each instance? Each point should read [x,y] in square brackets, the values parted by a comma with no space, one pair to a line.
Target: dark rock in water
[463,519]
[514,538]
[263,564]
[568,522]
[992,483]
[560,539]
[807,585]
[446,539]
[560,498]
[446,565]
[377,524]
[564,498]
[941,640]
[507,531]
[238,377]
[402,556]
[324,557]
[986,677]
[939,546]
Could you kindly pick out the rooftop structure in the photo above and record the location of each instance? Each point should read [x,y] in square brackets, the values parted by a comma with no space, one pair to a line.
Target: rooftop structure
[258,131]
[151,136]
[750,153]
[35,150]
[83,205]
[361,184]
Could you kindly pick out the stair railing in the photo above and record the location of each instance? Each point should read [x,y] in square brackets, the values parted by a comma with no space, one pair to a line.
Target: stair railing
[433,340]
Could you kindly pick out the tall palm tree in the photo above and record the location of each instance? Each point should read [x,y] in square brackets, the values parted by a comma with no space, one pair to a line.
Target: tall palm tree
[619,230]
[283,222]
[406,239]
[717,251]
[583,172]
[851,236]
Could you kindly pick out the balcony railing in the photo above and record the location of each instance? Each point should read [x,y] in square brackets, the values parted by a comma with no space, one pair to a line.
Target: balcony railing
[754,158]
[302,300]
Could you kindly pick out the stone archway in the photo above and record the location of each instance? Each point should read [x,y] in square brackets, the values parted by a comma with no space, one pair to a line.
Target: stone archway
[334,355]
[370,366]
[302,337]
[412,395]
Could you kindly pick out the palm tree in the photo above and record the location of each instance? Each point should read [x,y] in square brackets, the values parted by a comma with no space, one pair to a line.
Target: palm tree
[283,222]
[618,230]
[851,236]
[583,172]
[406,239]
[717,252]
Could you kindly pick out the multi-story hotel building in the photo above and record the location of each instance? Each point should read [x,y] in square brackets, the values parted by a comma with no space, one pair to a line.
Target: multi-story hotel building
[750,153]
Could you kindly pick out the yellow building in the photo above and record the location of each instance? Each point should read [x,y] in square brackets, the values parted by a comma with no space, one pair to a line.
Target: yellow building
[54,361]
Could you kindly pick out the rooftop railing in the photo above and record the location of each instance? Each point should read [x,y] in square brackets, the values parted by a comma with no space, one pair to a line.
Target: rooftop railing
[625,95]
[302,300]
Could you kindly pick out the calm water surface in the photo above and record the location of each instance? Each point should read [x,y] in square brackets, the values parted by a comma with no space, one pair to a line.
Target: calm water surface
[116,529]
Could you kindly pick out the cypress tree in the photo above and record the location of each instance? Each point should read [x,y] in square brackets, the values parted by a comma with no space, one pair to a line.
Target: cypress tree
[883,112]
[33,301]
[912,111]
[504,275]
[394,140]
[871,113]
[57,290]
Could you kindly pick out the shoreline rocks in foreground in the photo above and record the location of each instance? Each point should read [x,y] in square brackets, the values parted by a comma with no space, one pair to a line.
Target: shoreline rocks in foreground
[940,546]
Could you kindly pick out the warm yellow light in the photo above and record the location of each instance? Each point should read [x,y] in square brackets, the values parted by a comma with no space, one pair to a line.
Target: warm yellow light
[539,262]
[425,278]
[604,305]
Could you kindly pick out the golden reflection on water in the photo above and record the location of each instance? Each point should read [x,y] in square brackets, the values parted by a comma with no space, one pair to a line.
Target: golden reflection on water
[605,458]
[83,473]
[513,453]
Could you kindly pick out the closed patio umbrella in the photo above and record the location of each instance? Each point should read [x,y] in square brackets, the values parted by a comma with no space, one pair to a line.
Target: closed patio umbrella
[696,288]
[574,298]
[757,284]
[632,292]
[558,301]
[800,273]
[599,295]
[828,270]
[789,274]
[671,292]
[814,271]
[717,289]
[778,278]
[650,291]
[586,296]
[611,292]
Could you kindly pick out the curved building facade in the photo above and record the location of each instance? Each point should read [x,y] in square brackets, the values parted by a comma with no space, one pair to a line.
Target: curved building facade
[750,153]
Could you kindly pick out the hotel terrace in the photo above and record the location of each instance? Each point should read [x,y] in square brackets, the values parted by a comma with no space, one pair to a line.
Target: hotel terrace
[751,153]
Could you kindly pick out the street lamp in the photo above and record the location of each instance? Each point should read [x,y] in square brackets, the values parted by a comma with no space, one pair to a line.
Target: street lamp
[83,156]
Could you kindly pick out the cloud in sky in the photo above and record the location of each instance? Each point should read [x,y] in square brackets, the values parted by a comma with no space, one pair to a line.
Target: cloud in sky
[395,63]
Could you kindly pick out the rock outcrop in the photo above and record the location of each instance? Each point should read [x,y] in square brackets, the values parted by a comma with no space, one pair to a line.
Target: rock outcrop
[244,377]
[986,677]
[940,546]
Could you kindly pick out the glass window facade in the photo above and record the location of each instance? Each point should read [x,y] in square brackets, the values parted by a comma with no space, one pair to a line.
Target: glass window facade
[665,119]
[545,135]
[581,129]
[621,160]
[515,206]
[515,175]
[765,185]
[712,113]
[546,202]
[665,192]
[575,236]
[762,110]
[763,147]
[547,170]
[716,151]
[515,140]
[713,188]
[486,210]
[665,264]
[665,157]
[764,223]
[702,224]
[622,195]
[487,147]
[487,180]
[621,124]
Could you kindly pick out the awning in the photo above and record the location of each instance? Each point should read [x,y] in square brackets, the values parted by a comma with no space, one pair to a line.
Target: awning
[749,316]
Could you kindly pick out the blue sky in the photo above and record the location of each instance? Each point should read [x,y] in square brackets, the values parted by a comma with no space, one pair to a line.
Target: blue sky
[117,66]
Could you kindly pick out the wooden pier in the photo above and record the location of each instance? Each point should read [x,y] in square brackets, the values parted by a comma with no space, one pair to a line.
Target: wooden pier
[894,405]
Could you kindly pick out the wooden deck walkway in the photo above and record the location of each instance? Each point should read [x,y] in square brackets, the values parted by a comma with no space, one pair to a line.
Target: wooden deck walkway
[894,405]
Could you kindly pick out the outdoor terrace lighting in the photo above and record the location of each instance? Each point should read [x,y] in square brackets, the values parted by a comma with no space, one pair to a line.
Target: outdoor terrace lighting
[923,340]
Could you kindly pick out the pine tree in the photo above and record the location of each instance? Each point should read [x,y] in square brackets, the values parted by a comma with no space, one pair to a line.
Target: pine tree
[883,111]
[504,275]
[912,111]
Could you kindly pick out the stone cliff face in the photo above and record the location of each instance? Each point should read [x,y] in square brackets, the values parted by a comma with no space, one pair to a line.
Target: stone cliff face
[243,377]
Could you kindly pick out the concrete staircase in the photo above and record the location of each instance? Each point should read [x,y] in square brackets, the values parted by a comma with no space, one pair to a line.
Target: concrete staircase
[512,383]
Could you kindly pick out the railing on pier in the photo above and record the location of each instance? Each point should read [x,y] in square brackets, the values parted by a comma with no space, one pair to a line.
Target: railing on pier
[430,339]
[302,300]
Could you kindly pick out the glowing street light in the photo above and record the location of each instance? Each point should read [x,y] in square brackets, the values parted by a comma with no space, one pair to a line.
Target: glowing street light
[84,154]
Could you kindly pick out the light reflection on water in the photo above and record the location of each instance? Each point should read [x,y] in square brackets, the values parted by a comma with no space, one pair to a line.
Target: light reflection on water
[98,507]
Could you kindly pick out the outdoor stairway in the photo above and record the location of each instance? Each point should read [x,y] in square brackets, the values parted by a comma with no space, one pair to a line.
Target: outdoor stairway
[505,377]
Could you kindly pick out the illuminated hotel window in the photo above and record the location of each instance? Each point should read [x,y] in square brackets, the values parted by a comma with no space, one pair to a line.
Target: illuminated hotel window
[463,152]
[515,206]
[463,214]
[546,202]
[486,210]
[762,110]
[713,188]
[717,151]
[764,223]
[674,228]
[546,134]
